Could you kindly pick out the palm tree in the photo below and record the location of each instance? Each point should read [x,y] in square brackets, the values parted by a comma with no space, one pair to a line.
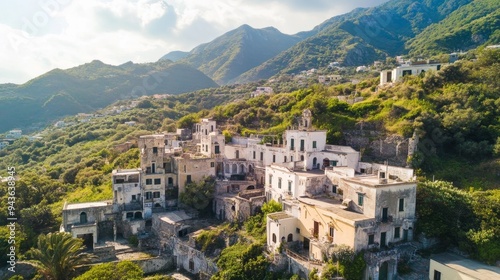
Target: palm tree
[58,254]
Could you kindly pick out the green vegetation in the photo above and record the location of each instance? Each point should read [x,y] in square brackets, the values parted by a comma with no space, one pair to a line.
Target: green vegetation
[199,195]
[345,263]
[114,271]
[467,219]
[468,27]
[57,255]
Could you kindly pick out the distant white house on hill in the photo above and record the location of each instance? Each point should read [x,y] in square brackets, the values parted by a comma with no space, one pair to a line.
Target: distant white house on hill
[14,134]
[392,76]
[262,90]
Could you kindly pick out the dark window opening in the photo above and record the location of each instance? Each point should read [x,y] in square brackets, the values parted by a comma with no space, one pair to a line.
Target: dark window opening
[158,181]
[401,204]
[371,239]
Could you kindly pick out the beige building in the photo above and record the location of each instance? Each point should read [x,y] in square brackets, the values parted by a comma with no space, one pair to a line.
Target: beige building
[448,266]
[83,220]
[369,207]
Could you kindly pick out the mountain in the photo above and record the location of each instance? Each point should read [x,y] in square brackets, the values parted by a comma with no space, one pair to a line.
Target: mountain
[91,86]
[359,37]
[237,51]
[466,28]
[175,55]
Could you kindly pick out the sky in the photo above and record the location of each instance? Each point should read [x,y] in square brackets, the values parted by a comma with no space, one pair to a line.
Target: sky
[37,36]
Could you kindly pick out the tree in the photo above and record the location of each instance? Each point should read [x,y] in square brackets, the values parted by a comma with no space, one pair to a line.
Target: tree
[114,271]
[444,211]
[57,255]
[199,194]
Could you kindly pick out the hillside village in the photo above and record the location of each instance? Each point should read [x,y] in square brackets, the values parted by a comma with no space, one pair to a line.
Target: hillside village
[328,195]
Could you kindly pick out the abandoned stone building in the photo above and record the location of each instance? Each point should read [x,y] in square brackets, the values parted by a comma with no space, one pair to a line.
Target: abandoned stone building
[329,196]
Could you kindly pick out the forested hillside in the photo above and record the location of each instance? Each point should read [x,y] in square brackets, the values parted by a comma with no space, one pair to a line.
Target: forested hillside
[468,27]
[91,86]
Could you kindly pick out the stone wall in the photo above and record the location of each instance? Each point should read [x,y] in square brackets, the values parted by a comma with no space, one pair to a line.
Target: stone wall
[105,253]
[378,147]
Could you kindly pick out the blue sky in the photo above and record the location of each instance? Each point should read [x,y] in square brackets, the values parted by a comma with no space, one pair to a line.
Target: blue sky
[39,35]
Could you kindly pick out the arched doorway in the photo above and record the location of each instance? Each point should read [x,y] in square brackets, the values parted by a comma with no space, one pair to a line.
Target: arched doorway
[383,273]
[235,169]
[242,169]
[315,162]
[290,238]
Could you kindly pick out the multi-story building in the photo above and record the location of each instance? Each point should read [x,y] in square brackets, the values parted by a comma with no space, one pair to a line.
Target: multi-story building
[370,207]
[417,68]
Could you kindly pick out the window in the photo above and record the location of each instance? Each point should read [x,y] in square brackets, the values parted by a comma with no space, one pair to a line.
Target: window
[158,181]
[302,142]
[384,214]
[153,168]
[274,158]
[284,159]
[291,158]
[148,195]
[156,195]
[188,179]
[406,72]
[217,150]
[333,163]
[371,239]
[274,238]
[334,189]
[191,264]
[437,275]
[270,179]
[155,150]
[397,232]
[360,199]
[212,164]
[279,183]
[314,144]
[401,204]
[332,231]
[83,218]
[382,175]
[149,181]
[133,197]
[253,154]
[297,230]
[292,143]
[261,156]
[289,186]
[237,155]
[290,238]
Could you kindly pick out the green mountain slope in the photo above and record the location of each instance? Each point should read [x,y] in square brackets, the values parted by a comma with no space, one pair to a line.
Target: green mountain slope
[175,55]
[91,86]
[358,38]
[237,51]
[468,27]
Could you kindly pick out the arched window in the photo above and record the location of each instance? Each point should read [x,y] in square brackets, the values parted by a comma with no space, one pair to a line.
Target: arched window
[290,238]
[227,168]
[235,169]
[242,169]
[315,161]
[83,218]
[274,238]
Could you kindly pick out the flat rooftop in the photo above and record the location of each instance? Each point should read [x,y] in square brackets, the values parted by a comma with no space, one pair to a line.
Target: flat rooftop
[126,171]
[174,217]
[373,180]
[335,207]
[279,216]
[84,205]
[468,267]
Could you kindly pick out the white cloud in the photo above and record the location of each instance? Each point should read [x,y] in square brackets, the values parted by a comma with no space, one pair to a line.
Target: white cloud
[39,35]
